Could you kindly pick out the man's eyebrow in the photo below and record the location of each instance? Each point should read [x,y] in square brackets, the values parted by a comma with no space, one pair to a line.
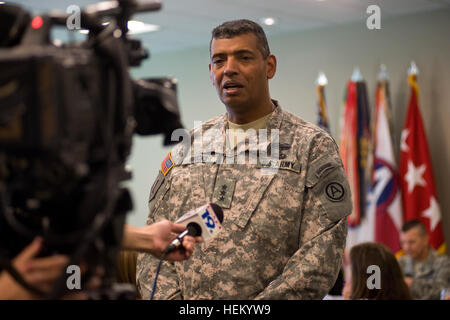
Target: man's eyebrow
[243,51]
[237,52]
[219,54]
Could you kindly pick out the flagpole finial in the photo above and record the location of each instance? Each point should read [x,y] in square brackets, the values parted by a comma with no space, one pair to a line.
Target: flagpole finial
[383,75]
[357,76]
[413,70]
[322,79]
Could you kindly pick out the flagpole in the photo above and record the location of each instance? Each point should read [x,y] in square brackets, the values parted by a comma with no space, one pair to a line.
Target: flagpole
[321,82]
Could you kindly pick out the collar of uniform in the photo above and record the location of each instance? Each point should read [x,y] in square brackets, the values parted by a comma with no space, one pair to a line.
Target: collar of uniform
[214,137]
[432,255]
[274,122]
[427,266]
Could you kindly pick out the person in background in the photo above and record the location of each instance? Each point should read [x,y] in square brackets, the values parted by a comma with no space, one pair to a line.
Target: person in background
[426,272]
[375,274]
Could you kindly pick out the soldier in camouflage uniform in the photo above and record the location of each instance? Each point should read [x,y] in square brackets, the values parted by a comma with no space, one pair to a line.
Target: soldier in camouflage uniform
[284,231]
[426,272]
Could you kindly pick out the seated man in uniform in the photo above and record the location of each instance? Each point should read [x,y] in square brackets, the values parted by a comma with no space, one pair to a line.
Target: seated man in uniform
[426,272]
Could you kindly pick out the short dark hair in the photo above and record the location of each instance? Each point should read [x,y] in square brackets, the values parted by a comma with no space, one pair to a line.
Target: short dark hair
[414,223]
[230,29]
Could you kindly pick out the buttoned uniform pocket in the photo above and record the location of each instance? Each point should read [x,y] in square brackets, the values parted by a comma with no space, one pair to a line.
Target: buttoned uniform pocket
[248,193]
[269,202]
[279,211]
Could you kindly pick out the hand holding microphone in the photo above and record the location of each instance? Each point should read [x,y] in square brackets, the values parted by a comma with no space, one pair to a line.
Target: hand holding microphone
[156,237]
[204,221]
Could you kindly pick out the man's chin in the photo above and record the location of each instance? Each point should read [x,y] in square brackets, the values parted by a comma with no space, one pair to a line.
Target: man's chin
[235,102]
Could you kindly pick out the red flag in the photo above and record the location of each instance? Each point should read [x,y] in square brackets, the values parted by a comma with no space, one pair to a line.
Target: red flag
[349,149]
[416,173]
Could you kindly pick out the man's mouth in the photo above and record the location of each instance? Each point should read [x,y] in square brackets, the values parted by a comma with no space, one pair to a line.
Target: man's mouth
[231,87]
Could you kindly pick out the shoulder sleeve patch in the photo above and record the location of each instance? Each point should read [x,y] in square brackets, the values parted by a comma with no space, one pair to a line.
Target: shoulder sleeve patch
[333,192]
[167,164]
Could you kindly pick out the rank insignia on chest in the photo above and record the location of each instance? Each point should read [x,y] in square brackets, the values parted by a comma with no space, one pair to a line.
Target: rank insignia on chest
[167,164]
[223,192]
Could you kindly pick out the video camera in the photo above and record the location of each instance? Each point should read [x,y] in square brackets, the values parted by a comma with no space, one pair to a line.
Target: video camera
[67,116]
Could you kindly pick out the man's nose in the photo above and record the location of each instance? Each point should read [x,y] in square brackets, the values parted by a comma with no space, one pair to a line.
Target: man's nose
[231,67]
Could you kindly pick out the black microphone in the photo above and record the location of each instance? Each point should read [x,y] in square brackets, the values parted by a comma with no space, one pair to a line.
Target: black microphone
[204,221]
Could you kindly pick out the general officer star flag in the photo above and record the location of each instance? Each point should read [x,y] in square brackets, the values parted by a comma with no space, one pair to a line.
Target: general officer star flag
[419,195]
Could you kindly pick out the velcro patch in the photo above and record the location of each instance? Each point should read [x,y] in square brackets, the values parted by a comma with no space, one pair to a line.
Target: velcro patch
[325,168]
[167,164]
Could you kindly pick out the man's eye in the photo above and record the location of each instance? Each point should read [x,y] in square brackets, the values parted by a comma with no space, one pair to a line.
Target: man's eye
[218,61]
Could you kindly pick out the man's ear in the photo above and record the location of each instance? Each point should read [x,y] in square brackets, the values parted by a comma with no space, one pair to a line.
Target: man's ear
[211,74]
[271,63]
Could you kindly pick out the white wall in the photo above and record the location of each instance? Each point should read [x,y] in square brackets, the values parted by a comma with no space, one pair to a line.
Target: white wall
[423,37]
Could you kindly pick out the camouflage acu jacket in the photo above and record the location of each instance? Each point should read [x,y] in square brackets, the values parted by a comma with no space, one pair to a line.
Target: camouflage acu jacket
[283,234]
[429,276]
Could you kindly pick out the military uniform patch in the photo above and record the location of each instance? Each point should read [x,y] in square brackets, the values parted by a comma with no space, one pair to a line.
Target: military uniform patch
[335,191]
[167,164]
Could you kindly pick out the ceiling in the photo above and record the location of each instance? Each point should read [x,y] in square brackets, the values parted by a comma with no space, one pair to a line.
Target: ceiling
[188,23]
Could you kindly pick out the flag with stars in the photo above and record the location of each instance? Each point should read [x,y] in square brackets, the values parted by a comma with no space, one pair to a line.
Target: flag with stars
[419,197]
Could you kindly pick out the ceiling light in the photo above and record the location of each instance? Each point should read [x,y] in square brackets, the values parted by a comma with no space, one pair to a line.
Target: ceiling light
[269,21]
